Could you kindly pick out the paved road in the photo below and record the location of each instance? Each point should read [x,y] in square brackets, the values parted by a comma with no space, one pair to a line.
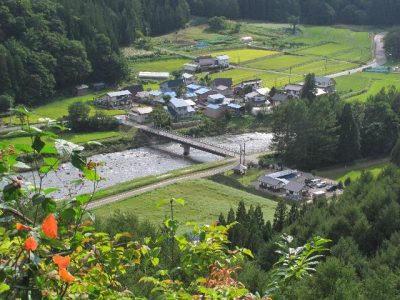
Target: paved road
[231,164]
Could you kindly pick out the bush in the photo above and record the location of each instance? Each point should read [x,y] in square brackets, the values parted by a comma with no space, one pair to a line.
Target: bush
[6,103]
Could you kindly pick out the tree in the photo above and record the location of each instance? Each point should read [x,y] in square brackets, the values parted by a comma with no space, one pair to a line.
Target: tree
[6,102]
[160,117]
[217,23]
[395,155]
[294,21]
[349,136]
[309,88]
[279,216]
[78,116]
[392,43]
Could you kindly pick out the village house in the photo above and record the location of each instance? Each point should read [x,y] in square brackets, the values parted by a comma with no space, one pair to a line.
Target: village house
[256,99]
[325,83]
[140,114]
[203,93]
[215,111]
[142,96]
[293,90]
[215,99]
[235,109]
[154,75]
[171,85]
[81,90]
[206,63]
[191,67]
[278,99]
[228,82]
[155,96]
[180,109]
[254,84]
[295,190]
[115,99]
[191,88]
[223,61]
[188,78]
[270,183]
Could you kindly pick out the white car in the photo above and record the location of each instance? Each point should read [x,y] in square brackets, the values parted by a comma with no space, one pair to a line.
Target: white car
[322,184]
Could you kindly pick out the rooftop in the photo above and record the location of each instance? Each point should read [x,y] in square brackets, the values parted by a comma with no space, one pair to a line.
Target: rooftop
[213,106]
[142,110]
[294,186]
[293,87]
[177,102]
[202,91]
[222,57]
[194,87]
[283,173]
[269,180]
[119,93]
[264,91]
[216,96]
[154,74]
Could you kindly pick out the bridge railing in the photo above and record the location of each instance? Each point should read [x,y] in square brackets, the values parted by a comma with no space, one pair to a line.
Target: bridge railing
[174,134]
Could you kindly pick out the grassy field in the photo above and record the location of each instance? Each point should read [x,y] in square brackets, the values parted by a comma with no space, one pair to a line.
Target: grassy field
[80,138]
[328,49]
[354,171]
[59,108]
[167,65]
[143,181]
[205,200]
[240,56]
[366,84]
[280,63]
[322,67]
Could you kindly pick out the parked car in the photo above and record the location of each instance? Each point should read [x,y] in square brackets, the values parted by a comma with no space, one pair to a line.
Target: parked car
[332,188]
[322,184]
[313,182]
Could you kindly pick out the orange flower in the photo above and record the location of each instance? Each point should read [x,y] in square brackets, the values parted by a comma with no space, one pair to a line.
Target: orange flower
[50,226]
[21,227]
[61,261]
[30,244]
[65,275]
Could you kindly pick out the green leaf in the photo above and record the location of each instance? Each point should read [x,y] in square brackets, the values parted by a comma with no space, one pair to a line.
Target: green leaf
[48,149]
[38,144]
[49,205]
[78,161]
[162,202]
[68,215]
[83,199]
[21,166]
[179,201]
[4,287]
[38,199]
[22,110]
[50,190]
[155,261]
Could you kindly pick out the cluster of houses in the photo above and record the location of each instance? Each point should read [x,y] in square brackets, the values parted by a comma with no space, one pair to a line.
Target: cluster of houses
[185,96]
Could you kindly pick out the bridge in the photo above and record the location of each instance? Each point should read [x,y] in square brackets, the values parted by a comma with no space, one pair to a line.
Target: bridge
[188,142]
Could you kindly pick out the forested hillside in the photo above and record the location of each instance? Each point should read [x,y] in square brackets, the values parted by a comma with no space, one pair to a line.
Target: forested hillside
[51,44]
[374,12]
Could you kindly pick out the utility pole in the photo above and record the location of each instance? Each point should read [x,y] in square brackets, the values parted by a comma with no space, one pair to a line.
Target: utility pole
[240,161]
[244,154]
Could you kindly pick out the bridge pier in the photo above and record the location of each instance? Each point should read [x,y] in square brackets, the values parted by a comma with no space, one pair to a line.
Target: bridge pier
[186,150]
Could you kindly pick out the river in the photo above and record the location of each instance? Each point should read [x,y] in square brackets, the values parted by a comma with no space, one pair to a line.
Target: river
[144,161]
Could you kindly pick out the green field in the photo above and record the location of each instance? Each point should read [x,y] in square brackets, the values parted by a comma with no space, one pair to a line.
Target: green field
[365,84]
[80,138]
[242,55]
[205,200]
[280,63]
[167,65]
[322,67]
[326,50]
[59,108]
[354,171]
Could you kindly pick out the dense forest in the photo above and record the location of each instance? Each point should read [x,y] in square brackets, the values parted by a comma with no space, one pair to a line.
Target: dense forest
[47,45]
[321,12]
[363,225]
[312,133]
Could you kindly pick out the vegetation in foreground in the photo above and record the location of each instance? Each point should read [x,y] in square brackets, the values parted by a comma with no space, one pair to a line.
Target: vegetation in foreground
[54,251]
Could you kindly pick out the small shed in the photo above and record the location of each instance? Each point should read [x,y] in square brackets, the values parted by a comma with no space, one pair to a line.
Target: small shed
[240,169]
[81,90]
[246,39]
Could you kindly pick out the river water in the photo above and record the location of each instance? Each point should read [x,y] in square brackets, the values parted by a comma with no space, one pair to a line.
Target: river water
[130,164]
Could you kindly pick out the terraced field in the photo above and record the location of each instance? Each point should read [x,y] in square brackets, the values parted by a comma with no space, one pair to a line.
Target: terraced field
[240,56]
[166,65]
[322,67]
[365,84]
[280,63]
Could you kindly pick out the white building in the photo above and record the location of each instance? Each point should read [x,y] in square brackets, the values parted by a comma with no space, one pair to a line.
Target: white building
[223,61]
[154,75]
[191,68]
[246,39]
[180,109]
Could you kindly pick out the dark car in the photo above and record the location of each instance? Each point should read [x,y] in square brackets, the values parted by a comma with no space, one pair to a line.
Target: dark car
[332,188]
